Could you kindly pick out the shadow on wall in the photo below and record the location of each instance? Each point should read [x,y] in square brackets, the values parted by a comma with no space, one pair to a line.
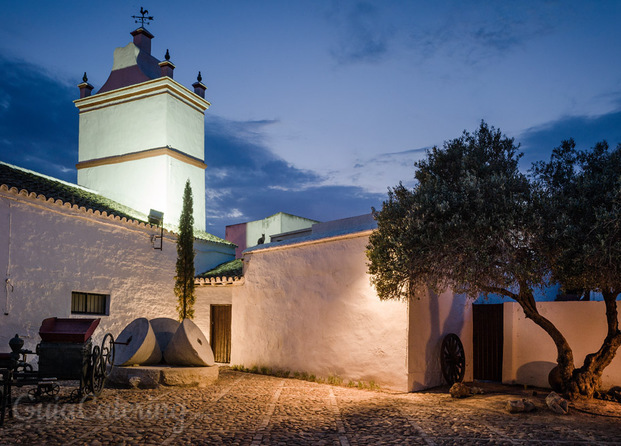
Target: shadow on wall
[534,373]
[432,349]
[453,323]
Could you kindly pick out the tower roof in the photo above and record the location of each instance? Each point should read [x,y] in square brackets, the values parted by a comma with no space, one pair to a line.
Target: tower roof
[133,63]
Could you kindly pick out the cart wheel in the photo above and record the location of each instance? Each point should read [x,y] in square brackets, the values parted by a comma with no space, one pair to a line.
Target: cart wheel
[34,395]
[98,372]
[107,351]
[24,367]
[48,389]
[76,395]
[89,371]
[452,359]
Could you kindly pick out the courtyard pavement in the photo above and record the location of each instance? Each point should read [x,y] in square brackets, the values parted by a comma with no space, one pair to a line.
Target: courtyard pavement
[246,409]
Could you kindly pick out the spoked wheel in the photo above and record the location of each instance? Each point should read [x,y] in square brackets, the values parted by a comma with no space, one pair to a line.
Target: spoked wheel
[107,352]
[98,372]
[24,367]
[452,359]
[34,395]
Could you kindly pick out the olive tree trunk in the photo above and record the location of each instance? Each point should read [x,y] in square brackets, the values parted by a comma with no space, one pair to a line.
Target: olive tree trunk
[587,379]
[583,381]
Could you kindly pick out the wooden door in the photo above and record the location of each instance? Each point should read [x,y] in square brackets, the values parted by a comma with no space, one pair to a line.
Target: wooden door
[221,332]
[487,339]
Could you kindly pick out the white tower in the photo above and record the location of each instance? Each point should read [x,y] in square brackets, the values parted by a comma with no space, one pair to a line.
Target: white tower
[142,134]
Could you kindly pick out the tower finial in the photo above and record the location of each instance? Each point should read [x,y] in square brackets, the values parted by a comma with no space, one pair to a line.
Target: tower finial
[85,87]
[143,17]
[167,55]
[199,88]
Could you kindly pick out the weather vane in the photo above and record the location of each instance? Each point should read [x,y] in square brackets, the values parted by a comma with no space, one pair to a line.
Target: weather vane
[144,18]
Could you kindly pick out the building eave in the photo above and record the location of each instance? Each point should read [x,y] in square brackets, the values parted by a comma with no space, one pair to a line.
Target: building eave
[161,85]
[219,281]
[58,205]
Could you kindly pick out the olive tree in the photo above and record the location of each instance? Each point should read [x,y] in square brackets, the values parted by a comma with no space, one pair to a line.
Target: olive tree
[470,224]
[579,204]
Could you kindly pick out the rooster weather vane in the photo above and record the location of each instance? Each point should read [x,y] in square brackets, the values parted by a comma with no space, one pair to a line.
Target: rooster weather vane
[142,18]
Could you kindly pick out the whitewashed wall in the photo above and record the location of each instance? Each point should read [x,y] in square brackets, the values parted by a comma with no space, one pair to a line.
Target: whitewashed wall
[274,224]
[529,353]
[48,250]
[311,308]
[431,319]
[150,183]
[154,114]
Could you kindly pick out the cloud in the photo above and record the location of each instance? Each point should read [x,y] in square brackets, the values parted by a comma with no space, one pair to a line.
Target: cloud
[498,36]
[246,181]
[363,35]
[237,153]
[473,34]
[38,121]
[537,142]
[404,157]
[376,174]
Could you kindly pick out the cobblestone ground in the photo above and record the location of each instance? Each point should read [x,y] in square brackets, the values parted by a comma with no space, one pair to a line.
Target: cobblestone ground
[245,409]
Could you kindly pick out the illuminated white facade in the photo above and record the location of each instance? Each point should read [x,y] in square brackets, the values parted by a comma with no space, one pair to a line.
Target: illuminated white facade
[50,248]
[142,135]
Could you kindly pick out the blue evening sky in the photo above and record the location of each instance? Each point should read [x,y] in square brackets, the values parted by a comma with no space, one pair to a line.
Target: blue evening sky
[319,106]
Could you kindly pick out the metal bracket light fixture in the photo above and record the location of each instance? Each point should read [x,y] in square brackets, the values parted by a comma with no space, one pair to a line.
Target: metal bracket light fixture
[156,218]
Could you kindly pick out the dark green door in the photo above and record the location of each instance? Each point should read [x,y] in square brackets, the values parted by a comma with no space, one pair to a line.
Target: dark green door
[487,339]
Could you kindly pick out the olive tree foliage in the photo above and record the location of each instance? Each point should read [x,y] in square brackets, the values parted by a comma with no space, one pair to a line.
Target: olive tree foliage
[184,280]
[473,223]
[466,225]
[578,195]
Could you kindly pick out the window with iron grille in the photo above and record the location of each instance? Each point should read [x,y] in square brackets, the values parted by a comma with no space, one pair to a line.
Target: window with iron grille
[89,303]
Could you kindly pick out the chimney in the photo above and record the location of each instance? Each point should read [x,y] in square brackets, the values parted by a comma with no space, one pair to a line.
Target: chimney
[167,66]
[142,39]
[199,87]
[85,87]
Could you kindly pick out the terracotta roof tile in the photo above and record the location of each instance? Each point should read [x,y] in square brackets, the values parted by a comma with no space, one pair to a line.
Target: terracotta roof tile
[13,176]
[234,268]
[33,182]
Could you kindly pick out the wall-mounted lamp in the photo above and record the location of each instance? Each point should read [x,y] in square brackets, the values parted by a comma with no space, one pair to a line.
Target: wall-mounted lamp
[156,218]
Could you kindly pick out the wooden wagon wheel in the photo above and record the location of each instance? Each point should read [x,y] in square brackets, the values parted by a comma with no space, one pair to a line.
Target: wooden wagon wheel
[107,352]
[98,372]
[452,359]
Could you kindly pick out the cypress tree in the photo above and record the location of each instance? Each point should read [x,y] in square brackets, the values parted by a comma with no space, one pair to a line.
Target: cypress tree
[184,281]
